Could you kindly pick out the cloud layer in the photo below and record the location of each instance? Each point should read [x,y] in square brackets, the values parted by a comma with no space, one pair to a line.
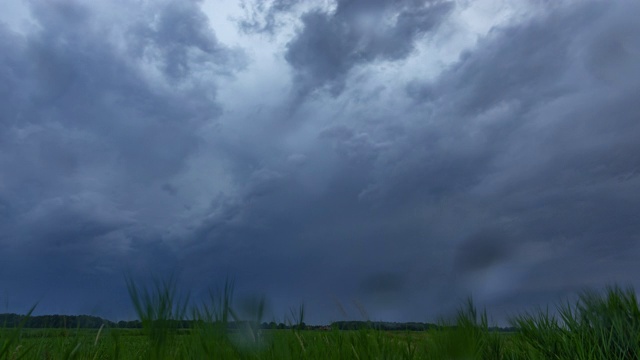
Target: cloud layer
[388,172]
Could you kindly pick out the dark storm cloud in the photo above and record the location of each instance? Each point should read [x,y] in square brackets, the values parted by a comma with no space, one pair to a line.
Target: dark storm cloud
[512,175]
[556,135]
[356,33]
[483,249]
[514,171]
[11,91]
[98,114]
[515,70]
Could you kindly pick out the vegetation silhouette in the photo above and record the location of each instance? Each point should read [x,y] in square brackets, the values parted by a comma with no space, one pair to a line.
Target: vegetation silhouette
[598,325]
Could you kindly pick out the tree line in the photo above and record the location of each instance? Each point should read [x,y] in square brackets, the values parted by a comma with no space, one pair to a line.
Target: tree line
[95,322]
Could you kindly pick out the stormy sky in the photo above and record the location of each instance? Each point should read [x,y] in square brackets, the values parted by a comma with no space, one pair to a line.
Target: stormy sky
[368,158]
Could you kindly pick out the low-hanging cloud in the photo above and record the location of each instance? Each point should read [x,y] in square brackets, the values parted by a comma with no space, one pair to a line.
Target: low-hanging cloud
[511,175]
[100,108]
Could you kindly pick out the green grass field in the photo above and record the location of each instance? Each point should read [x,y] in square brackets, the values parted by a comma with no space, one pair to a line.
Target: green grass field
[599,325]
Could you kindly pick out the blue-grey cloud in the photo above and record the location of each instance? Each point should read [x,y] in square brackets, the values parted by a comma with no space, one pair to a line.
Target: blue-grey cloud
[263,17]
[356,33]
[509,138]
[92,123]
[511,175]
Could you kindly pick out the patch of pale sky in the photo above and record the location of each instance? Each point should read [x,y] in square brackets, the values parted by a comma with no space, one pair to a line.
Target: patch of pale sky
[471,21]
[15,15]
[204,179]
[385,80]
[221,14]
[265,79]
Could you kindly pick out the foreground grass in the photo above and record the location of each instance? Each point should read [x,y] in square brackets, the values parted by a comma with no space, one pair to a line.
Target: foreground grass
[597,326]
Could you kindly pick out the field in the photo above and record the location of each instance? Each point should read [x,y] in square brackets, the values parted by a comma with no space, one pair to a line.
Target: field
[600,325]
[272,344]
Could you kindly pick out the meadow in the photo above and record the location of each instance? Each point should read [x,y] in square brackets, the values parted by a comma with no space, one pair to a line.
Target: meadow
[598,325]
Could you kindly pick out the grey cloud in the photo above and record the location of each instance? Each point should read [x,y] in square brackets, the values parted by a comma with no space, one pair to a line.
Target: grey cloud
[562,182]
[13,72]
[503,93]
[483,249]
[263,181]
[513,175]
[170,189]
[80,83]
[523,135]
[513,70]
[384,287]
[181,39]
[50,220]
[516,70]
[356,147]
[358,32]
[90,134]
[262,16]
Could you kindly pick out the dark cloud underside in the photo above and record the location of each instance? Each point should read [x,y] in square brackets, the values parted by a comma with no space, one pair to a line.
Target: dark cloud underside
[512,174]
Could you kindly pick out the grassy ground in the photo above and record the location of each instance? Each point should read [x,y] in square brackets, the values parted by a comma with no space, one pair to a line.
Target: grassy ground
[598,326]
